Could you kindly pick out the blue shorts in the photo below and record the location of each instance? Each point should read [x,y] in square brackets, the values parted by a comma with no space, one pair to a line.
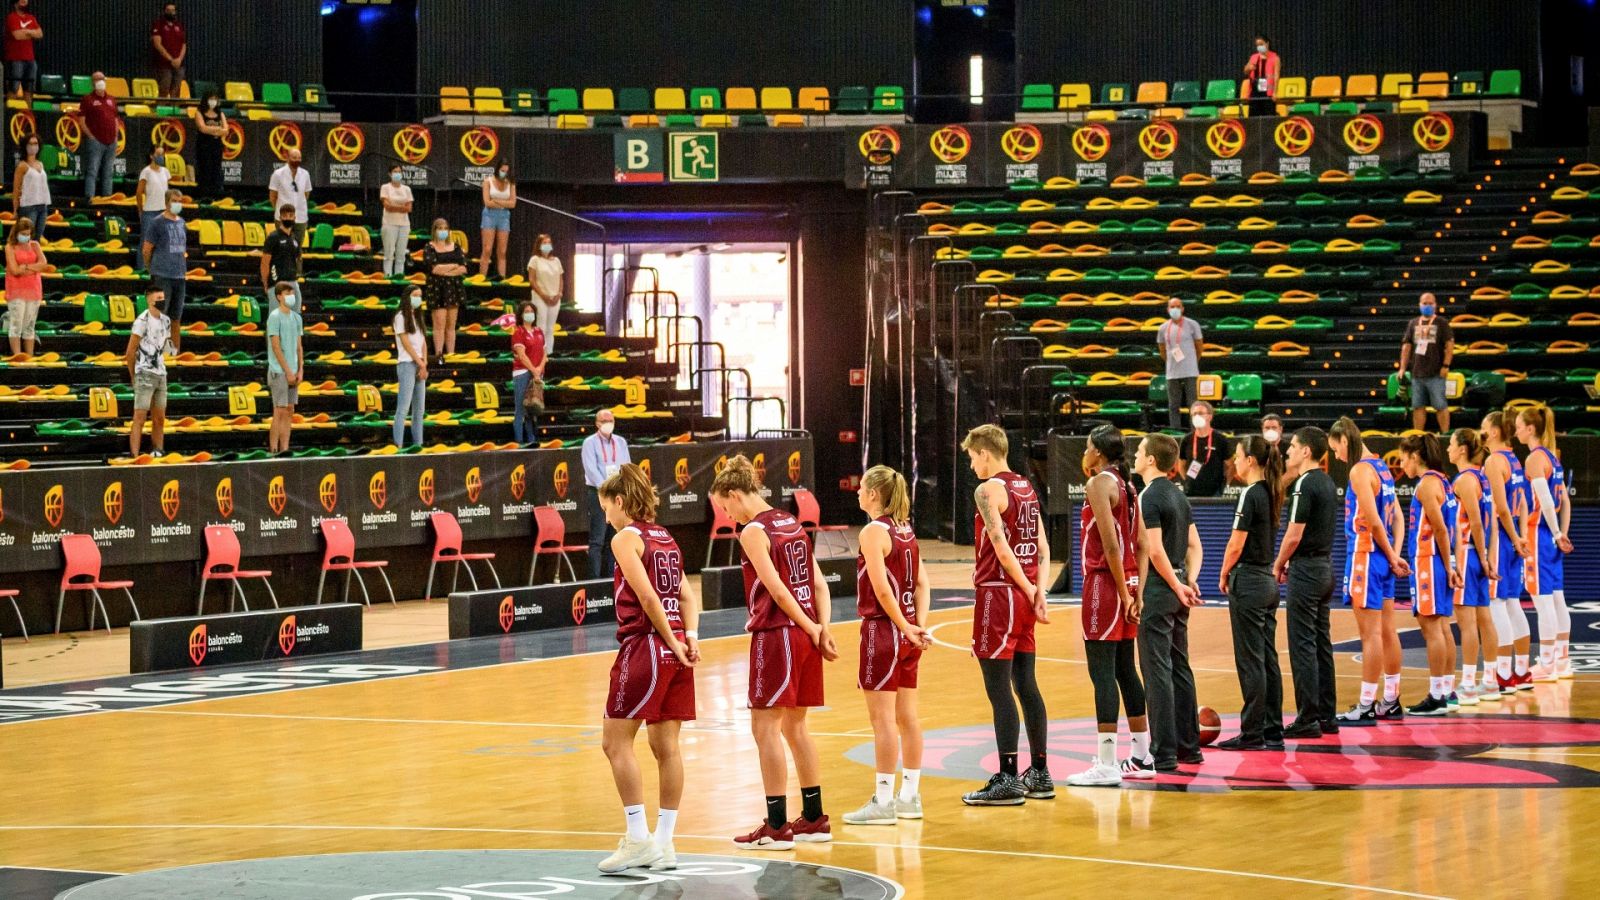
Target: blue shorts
[495,220]
[1544,572]
[1430,587]
[1474,590]
[1428,393]
[1509,585]
[1368,580]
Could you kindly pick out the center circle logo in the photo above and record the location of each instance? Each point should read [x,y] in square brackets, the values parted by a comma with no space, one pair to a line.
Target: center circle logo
[1091,142]
[345,142]
[1158,140]
[1022,143]
[413,143]
[1434,131]
[951,144]
[285,136]
[233,141]
[169,135]
[879,145]
[1295,135]
[480,145]
[1363,134]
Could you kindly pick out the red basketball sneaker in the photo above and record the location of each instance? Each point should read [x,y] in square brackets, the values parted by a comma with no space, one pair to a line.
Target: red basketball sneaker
[767,838]
[818,832]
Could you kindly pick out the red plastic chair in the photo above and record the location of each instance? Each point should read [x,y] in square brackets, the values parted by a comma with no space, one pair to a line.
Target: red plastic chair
[447,548]
[339,555]
[11,594]
[550,538]
[82,573]
[723,528]
[222,564]
[809,515]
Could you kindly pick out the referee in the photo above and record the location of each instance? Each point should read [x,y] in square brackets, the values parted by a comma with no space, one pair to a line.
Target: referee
[1303,564]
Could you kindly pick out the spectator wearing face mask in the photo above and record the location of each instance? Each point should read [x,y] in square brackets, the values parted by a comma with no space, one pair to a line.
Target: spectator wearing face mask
[24,286]
[146,358]
[280,255]
[1180,340]
[150,197]
[30,187]
[499,198]
[546,275]
[527,366]
[444,265]
[411,372]
[97,116]
[1261,78]
[395,195]
[169,45]
[604,453]
[212,125]
[1425,353]
[1204,455]
[285,364]
[1272,431]
[165,252]
[291,184]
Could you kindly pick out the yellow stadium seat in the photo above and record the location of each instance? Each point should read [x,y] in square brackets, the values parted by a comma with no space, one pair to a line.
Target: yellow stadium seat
[210,232]
[178,170]
[1433,84]
[777,99]
[489,101]
[1396,84]
[258,115]
[739,98]
[814,99]
[184,92]
[1327,87]
[716,120]
[1074,95]
[1410,106]
[1291,88]
[118,87]
[599,99]
[788,120]
[451,99]
[671,98]
[146,88]
[137,110]
[242,92]
[572,121]
[1152,92]
[232,233]
[1168,112]
[1100,115]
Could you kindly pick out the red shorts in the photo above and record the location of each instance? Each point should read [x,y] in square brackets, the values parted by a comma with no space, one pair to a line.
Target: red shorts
[1002,621]
[648,683]
[888,660]
[785,669]
[1103,618]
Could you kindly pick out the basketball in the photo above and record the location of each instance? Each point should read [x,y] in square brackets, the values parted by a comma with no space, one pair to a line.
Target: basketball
[1210,726]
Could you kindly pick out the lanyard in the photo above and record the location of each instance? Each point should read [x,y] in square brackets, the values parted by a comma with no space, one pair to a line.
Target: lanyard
[608,450]
[1194,445]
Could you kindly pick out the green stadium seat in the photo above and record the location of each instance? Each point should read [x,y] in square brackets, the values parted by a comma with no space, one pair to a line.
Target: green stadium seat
[1466,83]
[888,99]
[1243,389]
[1505,83]
[53,85]
[633,100]
[81,85]
[560,100]
[1306,109]
[705,98]
[524,101]
[322,236]
[678,120]
[1038,96]
[853,100]
[1185,92]
[96,309]
[1202,112]
[1342,108]
[1116,92]
[1378,106]
[201,88]
[276,93]
[314,95]
[1222,89]
[752,120]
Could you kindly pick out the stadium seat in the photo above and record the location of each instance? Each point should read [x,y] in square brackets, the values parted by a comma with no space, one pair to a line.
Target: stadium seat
[1326,87]
[1343,108]
[277,93]
[1291,88]
[813,99]
[454,100]
[118,87]
[242,92]
[1433,84]
[888,98]
[1396,84]
[313,95]
[489,101]
[146,88]
[560,100]
[1361,86]
[1310,108]
[1467,83]
[1075,95]
[597,100]
[222,564]
[1100,115]
[524,101]
[1203,111]
[777,99]
[853,100]
[1038,96]
[707,98]
[716,120]
[1115,92]
[550,539]
[633,100]
[1505,83]
[81,85]
[739,98]
[809,514]
[1222,89]
[339,555]
[1151,92]
[723,528]
[752,120]
[1412,106]
[1185,92]
[572,121]
[670,98]
[52,85]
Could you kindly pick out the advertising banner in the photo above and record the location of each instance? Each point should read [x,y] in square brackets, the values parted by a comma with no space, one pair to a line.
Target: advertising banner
[539,608]
[190,642]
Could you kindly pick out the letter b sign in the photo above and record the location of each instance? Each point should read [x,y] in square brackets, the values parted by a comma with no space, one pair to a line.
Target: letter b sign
[637,157]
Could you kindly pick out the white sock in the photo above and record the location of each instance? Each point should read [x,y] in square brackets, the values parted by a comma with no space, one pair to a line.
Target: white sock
[883,788]
[1502,667]
[1469,675]
[1488,672]
[1545,605]
[1563,649]
[1369,692]
[1435,687]
[1391,688]
[1141,745]
[666,823]
[1563,614]
[1521,660]
[1107,749]
[1449,684]
[635,817]
[910,783]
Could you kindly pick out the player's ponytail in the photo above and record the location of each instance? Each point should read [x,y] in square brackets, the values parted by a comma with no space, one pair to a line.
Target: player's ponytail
[1108,441]
[1496,419]
[890,486]
[1272,465]
[1425,447]
[633,488]
[1543,420]
[1348,431]
[1469,440]
[738,474]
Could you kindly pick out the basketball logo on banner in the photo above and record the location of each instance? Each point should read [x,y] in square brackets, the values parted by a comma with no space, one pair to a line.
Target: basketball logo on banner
[474,483]
[345,142]
[286,635]
[561,479]
[425,487]
[168,134]
[951,144]
[112,502]
[794,467]
[1158,140]
[225,498]
[233,141]
[285,136]
[1434,131]
[1363,134]
[1022,143]
[378,489]
[580,606]
[69,133]
[328,491]
[1226,138]
[644,466]
[1091,142]
[879,145]
[277,495]
[23,124]
[122,137]
[680,473]
[519,481]
[198,644]
[171,502]
[480,145]
[1295,135]
[413,143]
[55,505]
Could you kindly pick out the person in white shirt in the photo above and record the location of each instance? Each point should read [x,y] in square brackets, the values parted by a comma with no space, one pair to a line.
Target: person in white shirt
[30,187]
[147,368]
[395,195]
[410,343]
[604,452]
[545,274]
[150,197]
[291,184]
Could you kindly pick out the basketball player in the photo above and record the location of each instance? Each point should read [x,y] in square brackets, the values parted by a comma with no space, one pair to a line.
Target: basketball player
[1508,489]
[892,597]
[1474,564]
[1374,529]
[1252,594]
[789,614]
[1113,552]
[1013,559]
[652,681]
[1546,531]
[1434,579]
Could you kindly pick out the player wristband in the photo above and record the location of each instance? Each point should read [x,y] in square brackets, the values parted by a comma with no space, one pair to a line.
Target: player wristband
[692,634]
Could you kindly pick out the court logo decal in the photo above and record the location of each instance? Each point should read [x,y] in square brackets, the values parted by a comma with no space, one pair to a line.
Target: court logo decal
[225,498]
[112,502]
[170,501]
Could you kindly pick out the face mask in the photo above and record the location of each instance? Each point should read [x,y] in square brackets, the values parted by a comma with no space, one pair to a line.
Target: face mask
[442,234]
[546,248]
[607,427]
[160,306]
[288,301]
[1272,436]
[1174,312]
[158,160]
[172,17]
[1428,308]
[175,206]
[286,223]
[1200,421]
[24,238]
[394,177]
[504,173]
[528,318]
[1261,48]
[213,103]
[416,301]
[100,86]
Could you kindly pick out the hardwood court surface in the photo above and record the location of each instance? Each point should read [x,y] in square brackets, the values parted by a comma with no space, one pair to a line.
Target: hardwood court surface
[508,756]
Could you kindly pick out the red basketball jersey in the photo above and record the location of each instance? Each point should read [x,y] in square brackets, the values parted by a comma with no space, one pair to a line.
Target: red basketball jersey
[1021,523]
[901,566]
[664,564]
[791,556]
[1122,516]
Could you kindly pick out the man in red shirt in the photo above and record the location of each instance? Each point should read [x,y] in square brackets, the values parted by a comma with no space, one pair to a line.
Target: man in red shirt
[22,70]
[170,44]
[97,114]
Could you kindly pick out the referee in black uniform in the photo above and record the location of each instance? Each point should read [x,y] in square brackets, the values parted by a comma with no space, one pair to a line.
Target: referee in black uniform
[1303,564]
[1253,595]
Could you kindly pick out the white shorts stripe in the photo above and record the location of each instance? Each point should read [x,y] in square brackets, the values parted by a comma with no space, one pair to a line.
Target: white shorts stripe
[655,666]
[788,666]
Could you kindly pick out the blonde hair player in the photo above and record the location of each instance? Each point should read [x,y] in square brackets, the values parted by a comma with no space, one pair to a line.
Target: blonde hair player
[789,613]
[1013,561]
[892,597]
[652,680]
[1475,560]
[1546,531]
[1509,490]
[1433,579]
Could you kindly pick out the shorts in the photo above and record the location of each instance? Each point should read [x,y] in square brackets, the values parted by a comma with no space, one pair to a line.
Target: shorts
[1428,393]
[1002,622]
[282,394]
[177,291]
[149,391]
[648,683]
[785,669]
[1430,587]
[22,317]
[888,659]
[495,220]
[1474,590]
[1103,618]
[1368,579]
[24,72]
[1544,573]
[1509,585]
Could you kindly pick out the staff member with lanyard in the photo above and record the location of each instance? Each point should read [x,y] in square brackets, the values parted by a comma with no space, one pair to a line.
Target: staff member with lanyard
[1205,455]
[604,453]
[1304,565]
[1261,73]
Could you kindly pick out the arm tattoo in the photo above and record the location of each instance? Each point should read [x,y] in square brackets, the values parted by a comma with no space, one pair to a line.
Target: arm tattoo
[991,519]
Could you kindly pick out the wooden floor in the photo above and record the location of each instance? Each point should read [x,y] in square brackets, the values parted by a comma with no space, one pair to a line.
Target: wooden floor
[508,756]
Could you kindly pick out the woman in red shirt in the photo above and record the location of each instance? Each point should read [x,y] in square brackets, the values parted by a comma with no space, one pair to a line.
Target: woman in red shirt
[528,361]
[1261,79]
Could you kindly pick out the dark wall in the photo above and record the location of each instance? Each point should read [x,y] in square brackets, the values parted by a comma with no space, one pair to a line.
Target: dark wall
[625,43]
[1141,40]
[255,42]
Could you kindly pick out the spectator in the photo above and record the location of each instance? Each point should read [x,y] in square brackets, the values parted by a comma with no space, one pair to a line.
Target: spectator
[1261,78]
[30,188]
[212,124]
[22,70]
[291,184]
[97,113]
[603,454]
[147,368]
[280,255]
[411,346]
[285,364]
[444,265]
[396,199]
[499,197]
[171,46]
[165,253]
[150,197]
[527,350]
[1205,454]
[1272,430]
[1425,354]
[1180,340]
[545,275]
[24,288]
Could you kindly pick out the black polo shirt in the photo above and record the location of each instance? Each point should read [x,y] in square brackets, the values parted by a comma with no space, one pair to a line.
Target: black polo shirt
[284,252]
[1253,516]
[1314,503]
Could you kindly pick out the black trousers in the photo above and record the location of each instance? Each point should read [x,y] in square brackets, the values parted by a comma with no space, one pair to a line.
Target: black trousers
[1310,643]
[1253,611]
[1168,680]
[600,535]
[1180,396]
